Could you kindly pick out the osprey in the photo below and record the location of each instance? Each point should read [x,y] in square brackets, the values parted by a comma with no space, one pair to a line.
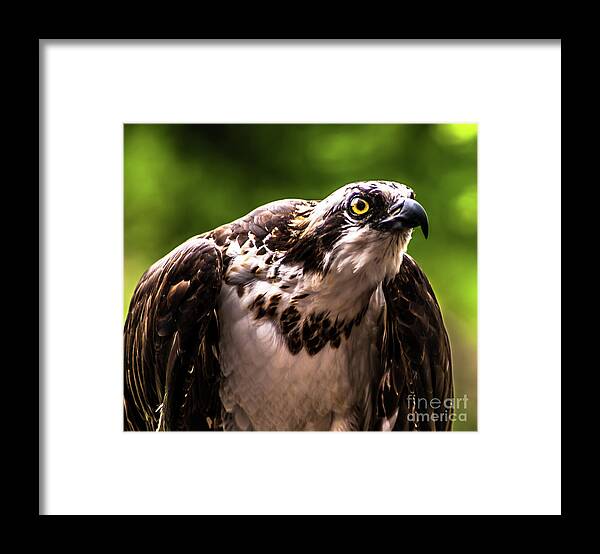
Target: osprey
[302,315]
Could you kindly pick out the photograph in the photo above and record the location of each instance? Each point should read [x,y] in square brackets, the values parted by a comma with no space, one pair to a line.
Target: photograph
[300,277]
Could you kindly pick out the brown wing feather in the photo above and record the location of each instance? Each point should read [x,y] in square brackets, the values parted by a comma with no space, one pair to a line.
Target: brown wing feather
[171,341]
[269,225]
[416,357]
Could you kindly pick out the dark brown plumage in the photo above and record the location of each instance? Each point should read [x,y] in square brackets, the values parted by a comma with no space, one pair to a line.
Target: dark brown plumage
[170,337]
[416,360]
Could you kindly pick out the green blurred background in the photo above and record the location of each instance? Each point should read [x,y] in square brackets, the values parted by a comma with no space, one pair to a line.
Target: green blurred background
[182,180]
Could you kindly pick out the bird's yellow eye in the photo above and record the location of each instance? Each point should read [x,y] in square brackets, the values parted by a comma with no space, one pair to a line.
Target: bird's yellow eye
[359,206]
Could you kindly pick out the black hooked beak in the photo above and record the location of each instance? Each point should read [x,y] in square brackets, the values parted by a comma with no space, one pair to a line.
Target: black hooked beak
[407,214]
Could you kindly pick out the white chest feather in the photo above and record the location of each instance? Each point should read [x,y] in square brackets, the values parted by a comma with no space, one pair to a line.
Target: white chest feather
[267,387]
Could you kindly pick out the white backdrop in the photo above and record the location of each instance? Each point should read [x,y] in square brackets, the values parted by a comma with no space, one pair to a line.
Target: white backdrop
[511,465]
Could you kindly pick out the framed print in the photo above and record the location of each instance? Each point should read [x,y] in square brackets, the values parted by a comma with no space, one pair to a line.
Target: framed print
[286,236]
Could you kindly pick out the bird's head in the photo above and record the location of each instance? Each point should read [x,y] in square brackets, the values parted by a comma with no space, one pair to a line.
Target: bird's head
[360,230]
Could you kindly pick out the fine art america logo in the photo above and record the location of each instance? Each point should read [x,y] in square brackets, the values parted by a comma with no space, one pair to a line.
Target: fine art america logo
[435,409]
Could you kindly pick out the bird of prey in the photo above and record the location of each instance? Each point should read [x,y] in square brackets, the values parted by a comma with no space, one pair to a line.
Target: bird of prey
[301,315]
